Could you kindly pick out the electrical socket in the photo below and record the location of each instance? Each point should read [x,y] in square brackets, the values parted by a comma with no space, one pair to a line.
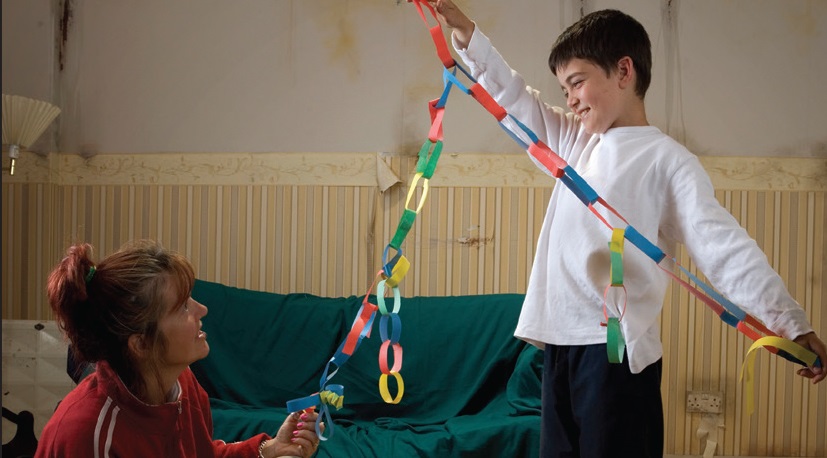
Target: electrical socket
[705,401]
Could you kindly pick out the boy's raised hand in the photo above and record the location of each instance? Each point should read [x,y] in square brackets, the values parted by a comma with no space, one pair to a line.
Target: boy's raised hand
[453,17]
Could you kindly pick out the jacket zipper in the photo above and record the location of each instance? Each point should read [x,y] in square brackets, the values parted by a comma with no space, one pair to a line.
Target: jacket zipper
[178,430]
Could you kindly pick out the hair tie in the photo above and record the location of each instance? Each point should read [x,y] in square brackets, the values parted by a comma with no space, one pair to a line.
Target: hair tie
[90,274]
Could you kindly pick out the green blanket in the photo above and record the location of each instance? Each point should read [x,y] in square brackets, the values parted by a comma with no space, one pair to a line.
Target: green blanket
[471,388]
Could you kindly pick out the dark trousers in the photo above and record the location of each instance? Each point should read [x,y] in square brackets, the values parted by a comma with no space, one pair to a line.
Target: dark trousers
[594,409]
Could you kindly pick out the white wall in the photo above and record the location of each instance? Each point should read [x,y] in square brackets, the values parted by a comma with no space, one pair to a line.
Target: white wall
[28,48]
[735,77]
[29,56]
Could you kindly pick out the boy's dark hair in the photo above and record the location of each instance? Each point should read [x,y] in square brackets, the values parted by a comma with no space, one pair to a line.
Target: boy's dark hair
[604,37]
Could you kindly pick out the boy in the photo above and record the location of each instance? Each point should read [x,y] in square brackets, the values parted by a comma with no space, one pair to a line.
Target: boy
[590,407]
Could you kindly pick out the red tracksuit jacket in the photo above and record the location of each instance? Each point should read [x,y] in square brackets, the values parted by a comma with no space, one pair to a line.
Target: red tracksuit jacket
[100,418]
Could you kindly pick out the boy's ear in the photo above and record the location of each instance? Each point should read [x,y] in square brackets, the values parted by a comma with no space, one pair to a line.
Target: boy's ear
[625,71]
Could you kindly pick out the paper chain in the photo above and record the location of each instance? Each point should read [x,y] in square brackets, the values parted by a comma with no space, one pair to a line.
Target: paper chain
[390,276]
[396,268]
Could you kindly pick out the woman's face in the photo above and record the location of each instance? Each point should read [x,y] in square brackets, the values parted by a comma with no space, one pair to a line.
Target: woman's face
[181,328]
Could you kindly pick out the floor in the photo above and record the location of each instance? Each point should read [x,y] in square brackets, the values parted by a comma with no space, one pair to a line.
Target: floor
[34,371]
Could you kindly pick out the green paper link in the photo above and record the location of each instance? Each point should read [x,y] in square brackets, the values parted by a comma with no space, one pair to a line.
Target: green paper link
[380,298]
[405,224]
[617,268]
[423,155]
[427,162]
[615,344]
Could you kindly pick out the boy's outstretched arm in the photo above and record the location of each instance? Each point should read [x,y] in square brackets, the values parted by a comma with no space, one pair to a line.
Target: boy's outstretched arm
[812,342]
[454,18]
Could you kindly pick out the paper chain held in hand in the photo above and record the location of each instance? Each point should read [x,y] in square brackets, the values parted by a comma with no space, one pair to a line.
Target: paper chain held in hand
[395,268]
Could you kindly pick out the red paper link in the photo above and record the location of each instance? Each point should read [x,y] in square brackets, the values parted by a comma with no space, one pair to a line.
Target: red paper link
[484,98]
[743,326]
[554,163]
[435,134]
[593,209]
[362,320]
[747,331]
[600,217]
[368,310]
[418,5]
[383,357]
[436,34]
[611,209]
[759,326]
[442,47]
[619,311]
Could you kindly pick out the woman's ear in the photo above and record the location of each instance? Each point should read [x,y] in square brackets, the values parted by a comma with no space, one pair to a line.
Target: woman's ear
[138,346]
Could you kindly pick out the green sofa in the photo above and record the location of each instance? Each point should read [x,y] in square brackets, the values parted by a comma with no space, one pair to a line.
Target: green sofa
[471,388]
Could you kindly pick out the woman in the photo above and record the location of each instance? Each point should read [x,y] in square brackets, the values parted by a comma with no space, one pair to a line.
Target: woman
[132,314]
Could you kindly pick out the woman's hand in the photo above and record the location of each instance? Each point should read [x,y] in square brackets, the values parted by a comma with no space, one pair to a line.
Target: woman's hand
[296,437]
[814,344]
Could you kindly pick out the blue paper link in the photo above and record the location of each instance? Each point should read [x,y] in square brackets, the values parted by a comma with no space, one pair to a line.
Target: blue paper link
[306,402]
[576,183]
[574,189]
[731,308]
[443,99]
[793,359]
[466,72]
[453,79]
[525,129]
[396,326]
[514,136]
[648,248]
[729,319]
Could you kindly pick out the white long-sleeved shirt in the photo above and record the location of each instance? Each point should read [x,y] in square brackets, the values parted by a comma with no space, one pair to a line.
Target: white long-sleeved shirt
[662,190]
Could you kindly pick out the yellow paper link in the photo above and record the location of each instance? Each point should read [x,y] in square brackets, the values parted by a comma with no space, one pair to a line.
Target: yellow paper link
[383,388]
[780,343]
[616,249]
[618,236]
[425,187]
[399,271]
[332,399]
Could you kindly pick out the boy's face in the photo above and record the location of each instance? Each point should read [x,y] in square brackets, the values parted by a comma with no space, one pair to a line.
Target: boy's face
[597,98]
